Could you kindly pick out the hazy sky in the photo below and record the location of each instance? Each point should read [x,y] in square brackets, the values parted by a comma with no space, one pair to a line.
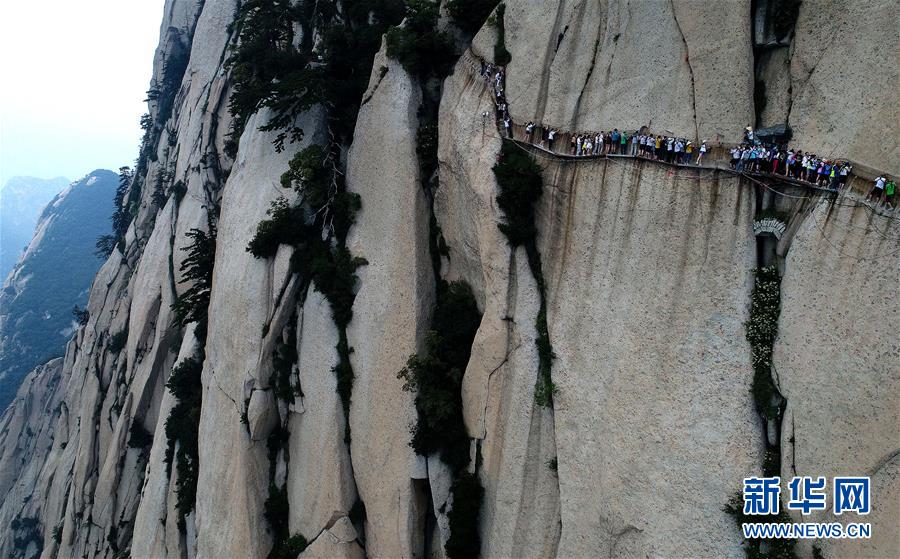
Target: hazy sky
[73,77]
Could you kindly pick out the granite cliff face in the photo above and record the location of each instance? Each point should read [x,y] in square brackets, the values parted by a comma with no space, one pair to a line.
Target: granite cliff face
[645,287]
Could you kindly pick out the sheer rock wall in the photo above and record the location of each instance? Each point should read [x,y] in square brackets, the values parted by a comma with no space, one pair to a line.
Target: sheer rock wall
[648,285]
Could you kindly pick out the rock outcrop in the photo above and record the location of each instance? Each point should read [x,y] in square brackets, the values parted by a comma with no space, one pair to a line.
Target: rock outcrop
[596,66]
[844,99]
[647,285]
[837,366]
[395,296]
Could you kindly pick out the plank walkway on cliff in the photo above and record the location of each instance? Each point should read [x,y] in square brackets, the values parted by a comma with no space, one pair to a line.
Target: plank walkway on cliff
[855,189]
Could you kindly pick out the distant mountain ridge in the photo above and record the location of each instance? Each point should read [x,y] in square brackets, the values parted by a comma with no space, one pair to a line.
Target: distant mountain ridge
[21,202]
[52,276]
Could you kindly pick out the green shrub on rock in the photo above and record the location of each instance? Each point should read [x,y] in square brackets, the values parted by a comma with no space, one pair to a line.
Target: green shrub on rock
[197,270]
[521,186]
[470,15]
[80,315]
[182,429]
[284,226]
[274,66]
[435,376]
[545,389]
[117,341]
[419,45]
[139,436]
[308,174]
[761,330]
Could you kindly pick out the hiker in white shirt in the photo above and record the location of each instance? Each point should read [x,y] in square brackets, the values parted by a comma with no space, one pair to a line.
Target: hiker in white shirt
[703,149]
[844,173]
[735,157]
[878,189]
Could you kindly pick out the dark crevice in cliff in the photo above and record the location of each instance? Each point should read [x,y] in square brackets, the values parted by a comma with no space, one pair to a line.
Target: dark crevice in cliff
[512,287]
[555,38]
[521,185]
[435,376]
[559,38]
[587,80]
[772,29]
[883,463]
[382,72]
[182,426]
[793,441]
[687,59]
[435,373]
[770,404]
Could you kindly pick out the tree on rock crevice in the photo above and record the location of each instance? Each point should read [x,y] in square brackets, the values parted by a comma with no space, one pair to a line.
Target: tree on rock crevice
[521,186]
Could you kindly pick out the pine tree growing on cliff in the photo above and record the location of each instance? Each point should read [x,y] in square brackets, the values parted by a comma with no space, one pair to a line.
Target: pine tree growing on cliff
[419,45]
[197,270]
[469,15]
[121,217]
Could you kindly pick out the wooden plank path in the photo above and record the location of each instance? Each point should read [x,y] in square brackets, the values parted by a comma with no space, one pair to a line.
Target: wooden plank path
[855,189]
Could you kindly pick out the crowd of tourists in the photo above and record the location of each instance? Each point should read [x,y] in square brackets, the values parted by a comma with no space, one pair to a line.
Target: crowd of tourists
[791,163]
[670,149]
[751,156]
[755,156]
[495,77]
[661,148]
